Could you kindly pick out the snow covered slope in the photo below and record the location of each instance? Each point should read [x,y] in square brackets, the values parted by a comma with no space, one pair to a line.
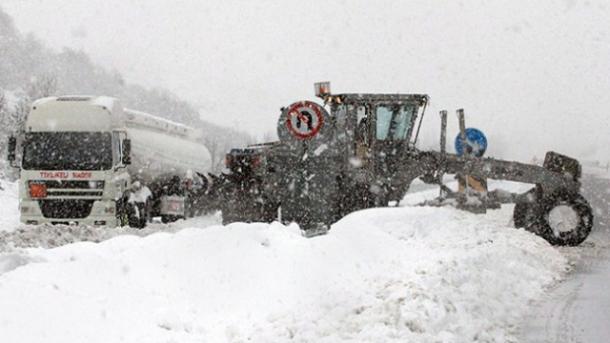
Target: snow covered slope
[411,274]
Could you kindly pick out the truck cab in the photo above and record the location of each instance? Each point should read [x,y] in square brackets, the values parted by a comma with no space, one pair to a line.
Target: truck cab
[73,161]
[375,129]
[80,154]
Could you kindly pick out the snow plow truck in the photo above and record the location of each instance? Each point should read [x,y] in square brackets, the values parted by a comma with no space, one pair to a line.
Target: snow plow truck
[358,151]
[79,156]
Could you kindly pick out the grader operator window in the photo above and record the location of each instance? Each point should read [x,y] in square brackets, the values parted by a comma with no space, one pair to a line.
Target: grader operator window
[393,121]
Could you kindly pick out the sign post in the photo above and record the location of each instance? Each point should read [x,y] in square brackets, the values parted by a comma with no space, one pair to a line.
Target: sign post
[471,143]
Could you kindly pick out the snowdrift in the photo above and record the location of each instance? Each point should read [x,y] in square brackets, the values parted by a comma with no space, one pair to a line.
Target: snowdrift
[9,206]
[410,274]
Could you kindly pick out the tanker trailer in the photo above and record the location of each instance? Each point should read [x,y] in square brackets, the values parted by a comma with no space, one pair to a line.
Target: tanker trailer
[80,155]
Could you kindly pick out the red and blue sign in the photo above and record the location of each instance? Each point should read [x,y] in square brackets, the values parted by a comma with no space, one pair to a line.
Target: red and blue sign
[304,119]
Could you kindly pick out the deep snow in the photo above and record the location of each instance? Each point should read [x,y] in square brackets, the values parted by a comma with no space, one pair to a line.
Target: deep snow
[9,202]
[401,274]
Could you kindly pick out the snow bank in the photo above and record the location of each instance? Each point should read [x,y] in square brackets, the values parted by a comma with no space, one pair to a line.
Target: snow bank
[14,234]
[9,206]
[381,275]
[52,236]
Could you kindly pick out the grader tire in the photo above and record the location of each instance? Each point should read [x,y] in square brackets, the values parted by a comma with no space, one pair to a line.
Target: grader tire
[542,221]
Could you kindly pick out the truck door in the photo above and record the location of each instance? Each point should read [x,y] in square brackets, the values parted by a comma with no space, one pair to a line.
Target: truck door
[362,135]
[391,131]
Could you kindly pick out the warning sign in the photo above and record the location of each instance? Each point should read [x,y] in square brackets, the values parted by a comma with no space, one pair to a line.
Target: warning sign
[304,119]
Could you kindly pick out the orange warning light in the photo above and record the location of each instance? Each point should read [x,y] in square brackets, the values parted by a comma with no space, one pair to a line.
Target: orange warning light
[38,190]
[322,89]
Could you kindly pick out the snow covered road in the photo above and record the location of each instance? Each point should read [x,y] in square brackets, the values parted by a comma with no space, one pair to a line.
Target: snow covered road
[578,310]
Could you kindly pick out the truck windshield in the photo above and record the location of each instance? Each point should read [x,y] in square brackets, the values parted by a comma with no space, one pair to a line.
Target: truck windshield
[393,122]
[67,151]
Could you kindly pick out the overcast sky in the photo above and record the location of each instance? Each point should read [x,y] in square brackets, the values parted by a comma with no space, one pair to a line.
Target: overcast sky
[533,75]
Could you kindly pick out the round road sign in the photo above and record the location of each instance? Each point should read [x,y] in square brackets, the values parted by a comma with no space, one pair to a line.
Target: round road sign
[475,145]
[304,119]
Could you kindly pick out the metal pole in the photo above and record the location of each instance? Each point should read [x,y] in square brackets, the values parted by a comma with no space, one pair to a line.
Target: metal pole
[441,170]
[443,114]
[462,123]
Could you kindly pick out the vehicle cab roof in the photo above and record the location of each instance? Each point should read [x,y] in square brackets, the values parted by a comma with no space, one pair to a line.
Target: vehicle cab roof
[359,98]
[75,113]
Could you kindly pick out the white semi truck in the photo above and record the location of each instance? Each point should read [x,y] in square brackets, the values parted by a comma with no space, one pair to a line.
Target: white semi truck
[80,154]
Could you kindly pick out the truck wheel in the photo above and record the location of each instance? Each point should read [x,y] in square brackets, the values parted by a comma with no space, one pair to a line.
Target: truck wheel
[563,218]
[135,217]
[122,214]
[170,218]
[132,218]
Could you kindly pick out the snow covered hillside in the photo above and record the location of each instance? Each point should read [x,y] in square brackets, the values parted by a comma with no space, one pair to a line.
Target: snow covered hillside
[413,274]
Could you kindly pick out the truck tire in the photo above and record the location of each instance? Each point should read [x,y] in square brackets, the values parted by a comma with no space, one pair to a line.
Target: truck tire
[562,218]
[132,218]
[136,221]
[122,214]
[170,218]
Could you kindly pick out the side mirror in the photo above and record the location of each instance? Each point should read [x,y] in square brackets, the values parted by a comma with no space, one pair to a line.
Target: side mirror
[126,152]
[12,147]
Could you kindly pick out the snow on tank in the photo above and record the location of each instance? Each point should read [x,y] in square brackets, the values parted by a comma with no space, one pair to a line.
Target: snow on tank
[140,119]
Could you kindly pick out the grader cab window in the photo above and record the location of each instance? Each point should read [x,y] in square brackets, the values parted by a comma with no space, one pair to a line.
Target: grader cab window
[393,121]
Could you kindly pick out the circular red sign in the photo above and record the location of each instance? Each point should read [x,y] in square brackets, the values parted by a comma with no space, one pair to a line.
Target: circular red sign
[304,119]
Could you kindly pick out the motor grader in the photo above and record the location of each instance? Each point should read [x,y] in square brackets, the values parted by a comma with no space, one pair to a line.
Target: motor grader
[359,151]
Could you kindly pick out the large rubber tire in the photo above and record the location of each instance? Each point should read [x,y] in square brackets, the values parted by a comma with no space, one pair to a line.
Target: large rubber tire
[539,222]
[168,218]
[133,219]
[122,213]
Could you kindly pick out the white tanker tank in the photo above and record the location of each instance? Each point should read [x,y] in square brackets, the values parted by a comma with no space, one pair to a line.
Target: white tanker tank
[162,147]
[81,154]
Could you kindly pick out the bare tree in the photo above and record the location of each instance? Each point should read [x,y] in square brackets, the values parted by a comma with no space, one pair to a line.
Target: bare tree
[2,101]
[43,86]
[214,148]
